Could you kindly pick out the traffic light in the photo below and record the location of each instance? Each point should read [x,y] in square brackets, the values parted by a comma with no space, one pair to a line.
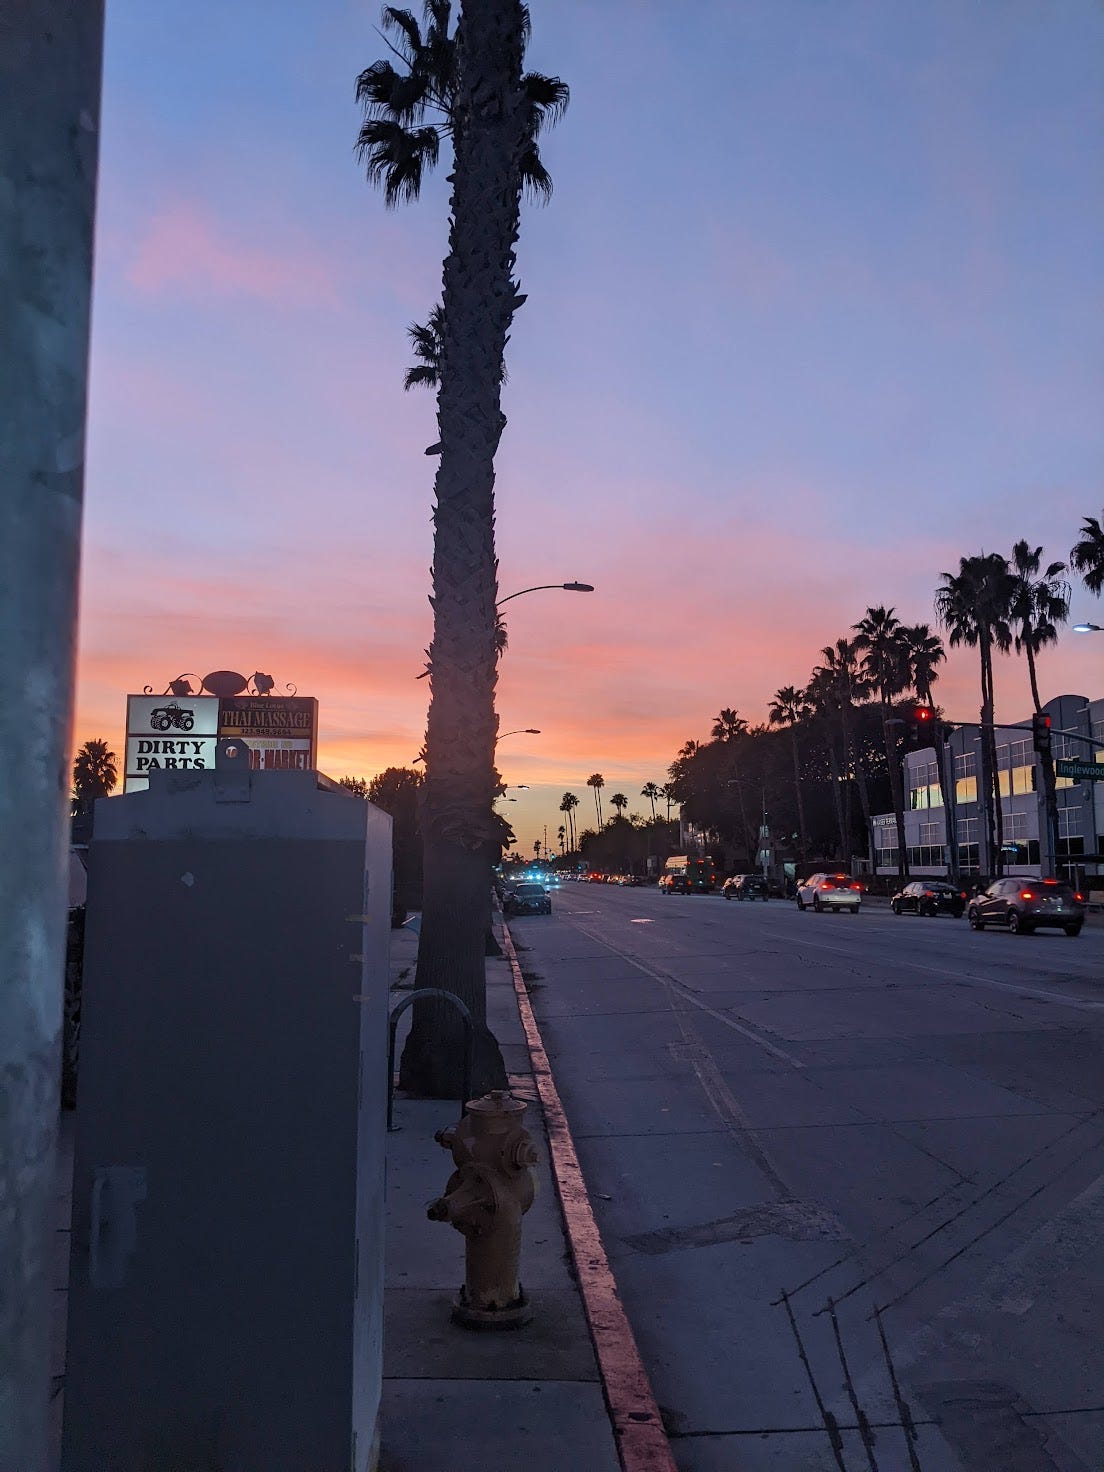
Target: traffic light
[1040,731]
[921,727]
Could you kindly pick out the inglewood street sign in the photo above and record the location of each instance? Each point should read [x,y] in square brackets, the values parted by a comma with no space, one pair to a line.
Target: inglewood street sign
[1080,771]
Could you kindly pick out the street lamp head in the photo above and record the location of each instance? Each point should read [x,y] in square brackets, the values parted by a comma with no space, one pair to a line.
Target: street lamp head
[1086,628]
[578,587]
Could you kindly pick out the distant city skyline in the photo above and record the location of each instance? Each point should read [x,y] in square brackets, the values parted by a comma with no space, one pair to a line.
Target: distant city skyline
[814,311]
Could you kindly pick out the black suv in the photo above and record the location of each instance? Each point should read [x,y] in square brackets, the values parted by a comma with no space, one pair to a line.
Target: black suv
[1023,905]
[746,887]
[929,897]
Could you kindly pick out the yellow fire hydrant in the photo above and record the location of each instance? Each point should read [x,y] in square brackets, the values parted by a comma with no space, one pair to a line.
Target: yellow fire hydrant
[487,1195]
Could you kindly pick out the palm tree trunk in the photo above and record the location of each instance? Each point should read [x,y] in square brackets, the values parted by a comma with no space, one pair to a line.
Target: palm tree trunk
[896,791]
[864,802]
[479,298]
[848,791]
[1046,761]
[799,795]
[837,797]
[988,780]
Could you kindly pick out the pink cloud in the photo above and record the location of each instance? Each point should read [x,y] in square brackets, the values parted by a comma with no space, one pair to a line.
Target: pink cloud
[185,248]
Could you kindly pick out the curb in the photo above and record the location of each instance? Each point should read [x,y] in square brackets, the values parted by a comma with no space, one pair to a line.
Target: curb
[642,1444]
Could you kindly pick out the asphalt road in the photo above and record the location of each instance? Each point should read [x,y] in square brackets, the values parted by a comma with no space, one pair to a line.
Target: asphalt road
[848,1171]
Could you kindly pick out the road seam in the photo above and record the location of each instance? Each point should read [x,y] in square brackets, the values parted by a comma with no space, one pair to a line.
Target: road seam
[641,1441]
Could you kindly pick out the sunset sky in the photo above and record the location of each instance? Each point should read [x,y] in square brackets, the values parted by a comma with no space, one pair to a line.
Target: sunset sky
[815,310]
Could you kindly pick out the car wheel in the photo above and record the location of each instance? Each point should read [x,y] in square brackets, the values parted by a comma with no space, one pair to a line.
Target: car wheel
[800,903]
[929,912]
[1016,924]
[816,904]
[727,895]
[895,907]
[1072,930]
[976,922]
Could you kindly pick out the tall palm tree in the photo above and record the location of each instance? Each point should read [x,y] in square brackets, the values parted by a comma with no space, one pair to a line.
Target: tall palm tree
[790,708]
[668,797]
[847,685]
[475,95]
[1039,604]
[973,605]
[821,694]
[561,833]
[95,774]
[925,653]
[651,792]
[597,782]
[620,802]
[1087,556]
[880,634]
[568,803]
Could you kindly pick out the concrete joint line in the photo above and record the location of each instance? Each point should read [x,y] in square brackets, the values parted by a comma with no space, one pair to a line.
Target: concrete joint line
[641,1441]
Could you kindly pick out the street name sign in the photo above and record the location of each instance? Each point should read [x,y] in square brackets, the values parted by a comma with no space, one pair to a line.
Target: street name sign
[1080,771]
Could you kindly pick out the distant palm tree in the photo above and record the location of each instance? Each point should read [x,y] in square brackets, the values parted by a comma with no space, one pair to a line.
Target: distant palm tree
[822,696]
[568,803]
[1039,604]
[924,652]
[95,774]
[668,797]
[651,792]
[1087,557]
[728,725]
[880,633]
[974,606]
[620,802]
[846,685]
[597,782]
[561,833]
[789,708]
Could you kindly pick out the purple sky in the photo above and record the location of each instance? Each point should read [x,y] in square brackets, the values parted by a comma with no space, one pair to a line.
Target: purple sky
[814,311]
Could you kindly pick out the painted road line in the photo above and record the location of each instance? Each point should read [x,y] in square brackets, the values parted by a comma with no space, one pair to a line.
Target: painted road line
[642,1444]
[665,979]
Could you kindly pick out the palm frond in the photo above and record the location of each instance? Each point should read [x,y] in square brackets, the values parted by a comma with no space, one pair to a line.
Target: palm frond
[403,23]
[547,99]
[384,92]
[421,374]
[396,157]
[535,178]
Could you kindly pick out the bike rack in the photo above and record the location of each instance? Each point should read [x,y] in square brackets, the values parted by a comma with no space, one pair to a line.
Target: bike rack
[469,1044]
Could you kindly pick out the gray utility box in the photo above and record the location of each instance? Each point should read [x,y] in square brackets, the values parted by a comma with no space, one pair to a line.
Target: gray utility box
[226,1287]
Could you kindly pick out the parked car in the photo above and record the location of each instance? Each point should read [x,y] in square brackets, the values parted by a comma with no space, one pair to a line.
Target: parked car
[929,897]
[829,892]
[1024,905]
[528,899]
[673,883]
[746,887]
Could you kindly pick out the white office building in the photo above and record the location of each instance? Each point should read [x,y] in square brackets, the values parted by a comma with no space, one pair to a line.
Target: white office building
[934,843]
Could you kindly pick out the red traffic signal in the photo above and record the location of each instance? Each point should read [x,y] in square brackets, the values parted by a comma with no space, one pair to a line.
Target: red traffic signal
[1040,731]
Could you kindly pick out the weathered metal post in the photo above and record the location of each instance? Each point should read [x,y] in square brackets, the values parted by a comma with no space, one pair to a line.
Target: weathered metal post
[50,62]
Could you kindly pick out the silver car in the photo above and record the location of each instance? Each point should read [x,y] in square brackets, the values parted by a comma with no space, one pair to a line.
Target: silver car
[829,892]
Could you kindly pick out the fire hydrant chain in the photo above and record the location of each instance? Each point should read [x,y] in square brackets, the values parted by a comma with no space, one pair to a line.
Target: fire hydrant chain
[488,1193]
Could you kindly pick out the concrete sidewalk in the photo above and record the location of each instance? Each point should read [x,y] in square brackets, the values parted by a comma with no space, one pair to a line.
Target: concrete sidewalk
[461,1401]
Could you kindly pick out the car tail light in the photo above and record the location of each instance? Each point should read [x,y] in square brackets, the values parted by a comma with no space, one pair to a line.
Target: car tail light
[1050,881]
[1027,894]
[962,893]
[929,894]
[857,886]
[1079,898]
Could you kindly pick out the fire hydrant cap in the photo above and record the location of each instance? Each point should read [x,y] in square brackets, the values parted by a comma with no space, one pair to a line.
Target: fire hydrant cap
[497,1102]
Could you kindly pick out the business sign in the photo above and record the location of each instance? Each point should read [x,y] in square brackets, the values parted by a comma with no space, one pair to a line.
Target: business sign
[280,731]
[180,733]
[1080,771]
[169,733]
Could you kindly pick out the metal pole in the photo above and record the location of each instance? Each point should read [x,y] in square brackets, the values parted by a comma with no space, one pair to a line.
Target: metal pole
[50,61]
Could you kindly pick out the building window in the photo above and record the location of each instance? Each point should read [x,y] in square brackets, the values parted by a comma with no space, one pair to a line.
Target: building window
[965,768]
[969,830]
[1071,839]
